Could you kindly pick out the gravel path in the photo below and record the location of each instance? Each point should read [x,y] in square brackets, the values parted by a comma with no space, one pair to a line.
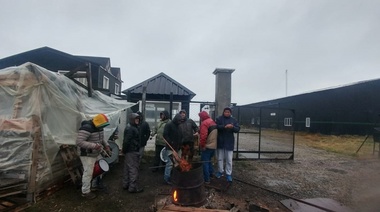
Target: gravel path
[313,173]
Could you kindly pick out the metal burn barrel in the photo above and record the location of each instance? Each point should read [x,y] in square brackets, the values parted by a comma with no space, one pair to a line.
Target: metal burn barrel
[188,187]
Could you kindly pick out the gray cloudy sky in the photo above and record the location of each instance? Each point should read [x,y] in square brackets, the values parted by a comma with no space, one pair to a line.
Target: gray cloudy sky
[322,43]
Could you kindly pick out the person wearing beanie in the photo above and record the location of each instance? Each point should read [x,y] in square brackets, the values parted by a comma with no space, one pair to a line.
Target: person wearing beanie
[90,142]
[160,143]
[207,142]
[226,126]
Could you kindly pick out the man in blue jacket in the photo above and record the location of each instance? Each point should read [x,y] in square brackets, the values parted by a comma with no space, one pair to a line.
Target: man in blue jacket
[226,126]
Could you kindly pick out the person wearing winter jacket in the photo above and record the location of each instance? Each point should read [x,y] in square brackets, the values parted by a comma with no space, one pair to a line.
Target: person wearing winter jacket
[227,126]
[188,131]
[144,130]
[207,141]
[172,135]
[131,150]
[160,143]
[90,142]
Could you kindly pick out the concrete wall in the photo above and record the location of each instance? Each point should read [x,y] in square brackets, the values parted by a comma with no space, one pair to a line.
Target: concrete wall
[222,89]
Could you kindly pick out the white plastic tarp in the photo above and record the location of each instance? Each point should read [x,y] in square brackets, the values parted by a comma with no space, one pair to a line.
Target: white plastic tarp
[60,106]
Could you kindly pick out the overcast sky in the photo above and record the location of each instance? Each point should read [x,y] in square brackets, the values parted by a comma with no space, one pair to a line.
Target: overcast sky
[322,43]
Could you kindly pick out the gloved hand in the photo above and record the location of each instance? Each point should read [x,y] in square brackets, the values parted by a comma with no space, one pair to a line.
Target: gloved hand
[98,146]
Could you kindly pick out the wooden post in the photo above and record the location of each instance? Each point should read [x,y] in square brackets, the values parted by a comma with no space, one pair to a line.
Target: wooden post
[31,193]
[89,80]
[143,101]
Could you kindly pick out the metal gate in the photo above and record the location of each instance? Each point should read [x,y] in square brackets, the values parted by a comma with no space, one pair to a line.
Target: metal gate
[266,133]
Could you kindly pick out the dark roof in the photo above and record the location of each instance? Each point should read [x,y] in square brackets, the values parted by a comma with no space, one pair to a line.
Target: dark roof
[55,60]
[332,92]
[44,56]
[161,84]
[103,61]
[116,72]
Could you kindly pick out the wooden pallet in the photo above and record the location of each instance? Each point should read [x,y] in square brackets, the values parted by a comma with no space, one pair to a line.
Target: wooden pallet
[73,163]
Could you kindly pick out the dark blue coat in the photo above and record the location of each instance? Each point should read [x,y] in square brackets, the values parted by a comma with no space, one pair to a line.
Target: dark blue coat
[226,138]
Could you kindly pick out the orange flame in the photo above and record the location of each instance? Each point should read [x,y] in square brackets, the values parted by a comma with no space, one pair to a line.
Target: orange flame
[175,196]
[185,166]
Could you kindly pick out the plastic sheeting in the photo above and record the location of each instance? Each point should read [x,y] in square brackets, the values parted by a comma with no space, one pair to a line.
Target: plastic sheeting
[33,97]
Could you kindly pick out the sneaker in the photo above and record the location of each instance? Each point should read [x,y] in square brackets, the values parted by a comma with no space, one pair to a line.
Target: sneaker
[229,178]
[167,182]
[136,190]
[98,188]
[218,175]
[89,195]
[207,182]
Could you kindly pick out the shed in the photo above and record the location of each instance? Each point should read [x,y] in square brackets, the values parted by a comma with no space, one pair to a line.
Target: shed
[161,87]
[348,109]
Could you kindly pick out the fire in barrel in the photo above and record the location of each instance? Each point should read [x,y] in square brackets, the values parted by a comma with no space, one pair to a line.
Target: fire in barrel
[188,185]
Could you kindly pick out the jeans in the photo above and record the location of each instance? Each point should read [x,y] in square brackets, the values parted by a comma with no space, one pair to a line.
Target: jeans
[206,157]
[169,164]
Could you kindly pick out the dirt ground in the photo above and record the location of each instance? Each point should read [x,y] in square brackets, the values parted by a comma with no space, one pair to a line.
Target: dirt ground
[314,173]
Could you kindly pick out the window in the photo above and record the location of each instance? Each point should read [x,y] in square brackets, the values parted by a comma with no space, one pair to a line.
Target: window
[106,82]
[117,89]
[307,122]
[288,122]
[81,80]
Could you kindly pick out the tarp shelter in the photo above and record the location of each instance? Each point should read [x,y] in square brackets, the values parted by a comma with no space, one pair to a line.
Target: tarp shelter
[39,111]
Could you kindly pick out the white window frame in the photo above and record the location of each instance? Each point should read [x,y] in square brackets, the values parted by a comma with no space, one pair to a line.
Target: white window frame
[288,122]
[106,82]
[307,122]
[117,88]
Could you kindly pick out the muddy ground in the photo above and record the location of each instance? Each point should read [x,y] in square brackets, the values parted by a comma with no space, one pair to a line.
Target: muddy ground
[314,173]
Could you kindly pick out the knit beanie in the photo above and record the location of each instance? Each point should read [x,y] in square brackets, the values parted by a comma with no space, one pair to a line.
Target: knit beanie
[227,108]
[100,120]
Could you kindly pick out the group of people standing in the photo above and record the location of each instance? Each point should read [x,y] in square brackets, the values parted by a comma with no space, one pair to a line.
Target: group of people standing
[214,136]
[217,135]
[178,134]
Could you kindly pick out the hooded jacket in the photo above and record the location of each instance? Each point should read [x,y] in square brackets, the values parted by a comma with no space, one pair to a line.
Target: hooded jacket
[172,134]
[159,130]
[208,132]
[187,128]
[144,131]
[226,138]
[90,134]
[131,142]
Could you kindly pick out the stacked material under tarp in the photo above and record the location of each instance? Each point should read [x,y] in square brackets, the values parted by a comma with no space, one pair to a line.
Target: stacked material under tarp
[39,111]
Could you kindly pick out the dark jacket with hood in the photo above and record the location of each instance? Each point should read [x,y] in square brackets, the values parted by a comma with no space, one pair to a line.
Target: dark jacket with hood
[131,142]
[187,129]
[144,131]
[172,133]
[226,139]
